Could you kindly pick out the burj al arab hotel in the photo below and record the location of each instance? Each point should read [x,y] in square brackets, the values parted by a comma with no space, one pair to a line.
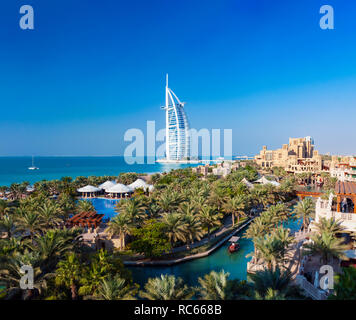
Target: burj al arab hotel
[177,128]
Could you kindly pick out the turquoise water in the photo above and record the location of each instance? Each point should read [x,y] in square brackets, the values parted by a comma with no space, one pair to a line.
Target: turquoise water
[15,169]
[235,264]
[105,206]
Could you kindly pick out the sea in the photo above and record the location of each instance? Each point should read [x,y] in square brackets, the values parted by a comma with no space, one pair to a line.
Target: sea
[15,169]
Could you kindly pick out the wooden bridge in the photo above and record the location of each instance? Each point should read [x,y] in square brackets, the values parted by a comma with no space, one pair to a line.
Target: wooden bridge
[303,194]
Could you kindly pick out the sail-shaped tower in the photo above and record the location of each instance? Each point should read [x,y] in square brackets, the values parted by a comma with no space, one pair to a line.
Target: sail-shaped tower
[177,128]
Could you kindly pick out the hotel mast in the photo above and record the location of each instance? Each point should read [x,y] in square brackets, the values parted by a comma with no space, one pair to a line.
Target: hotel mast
[177,128]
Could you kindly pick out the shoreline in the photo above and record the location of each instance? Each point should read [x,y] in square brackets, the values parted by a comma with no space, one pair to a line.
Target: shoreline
[55,168]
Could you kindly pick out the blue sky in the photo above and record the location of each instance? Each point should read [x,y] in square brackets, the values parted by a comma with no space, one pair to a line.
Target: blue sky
[93,69]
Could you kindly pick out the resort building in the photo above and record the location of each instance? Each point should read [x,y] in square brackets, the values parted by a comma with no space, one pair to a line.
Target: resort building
[340,206]
[203,170]
[343,168]
[119,190]
[89,191]
[297,156]
[222,169]
[177,128]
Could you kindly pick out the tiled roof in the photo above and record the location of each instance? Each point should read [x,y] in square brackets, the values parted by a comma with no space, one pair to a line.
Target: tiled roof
[345,187]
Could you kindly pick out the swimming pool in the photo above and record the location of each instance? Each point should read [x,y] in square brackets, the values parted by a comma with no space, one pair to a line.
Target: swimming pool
[105,206]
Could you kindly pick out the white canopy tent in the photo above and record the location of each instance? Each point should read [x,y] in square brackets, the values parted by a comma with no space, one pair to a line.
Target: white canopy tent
[120,189]
[264,180]
[140,183]
[107,185]
[247,183]
[89,191]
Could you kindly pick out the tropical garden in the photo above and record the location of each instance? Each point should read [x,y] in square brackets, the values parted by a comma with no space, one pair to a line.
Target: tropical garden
[184,213]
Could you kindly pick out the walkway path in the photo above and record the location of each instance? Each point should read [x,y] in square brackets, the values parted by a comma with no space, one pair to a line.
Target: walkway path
[227,225]
[190,257]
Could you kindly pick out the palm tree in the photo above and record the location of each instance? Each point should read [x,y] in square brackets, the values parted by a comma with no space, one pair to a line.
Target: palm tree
[49,213]
[271,295]
[11,272]
[274,284]
[17,190]
[345,285]
[121,226]
[102,265]
[52,246]
[271,193]
[168,202]
[260,196]
[331,226]
[115,288]
[153,209]
[134,209]
[209,218]
[305,210]
[283,235]
[287,185]
[3,190]
[270,249]
[85,206]
[215,199]
[4,207]
[198,202]
[166,287]
[213,285]
[236,206]
[69,273]
[7,224]
[327,246]
[175,227]
[192,228]
[29,222]
[256,230]
[279,213]
[66,203]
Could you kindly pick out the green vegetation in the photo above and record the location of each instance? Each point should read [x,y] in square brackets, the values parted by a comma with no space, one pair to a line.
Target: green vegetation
[150,239]
[182,210]
[345,285]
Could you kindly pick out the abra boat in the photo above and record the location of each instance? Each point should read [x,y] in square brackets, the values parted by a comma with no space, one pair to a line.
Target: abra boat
[234,246]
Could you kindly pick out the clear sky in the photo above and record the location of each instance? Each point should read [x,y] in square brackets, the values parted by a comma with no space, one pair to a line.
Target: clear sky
[92,69]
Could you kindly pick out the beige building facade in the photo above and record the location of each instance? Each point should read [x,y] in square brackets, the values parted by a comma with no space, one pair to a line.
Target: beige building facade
[297,156]
[343,168]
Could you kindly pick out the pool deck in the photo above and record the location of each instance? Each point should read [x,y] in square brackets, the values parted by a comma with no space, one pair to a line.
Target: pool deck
[170,262]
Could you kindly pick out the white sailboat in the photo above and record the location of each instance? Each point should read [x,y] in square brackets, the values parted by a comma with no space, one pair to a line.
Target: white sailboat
[33,167]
